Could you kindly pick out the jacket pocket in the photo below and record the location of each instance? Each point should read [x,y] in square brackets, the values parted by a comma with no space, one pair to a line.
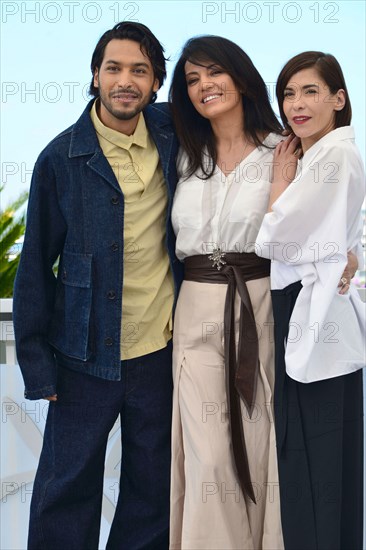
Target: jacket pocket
[70,324]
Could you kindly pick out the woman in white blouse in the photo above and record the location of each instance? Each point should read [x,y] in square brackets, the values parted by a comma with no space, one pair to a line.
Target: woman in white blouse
[314,219]
[224,471]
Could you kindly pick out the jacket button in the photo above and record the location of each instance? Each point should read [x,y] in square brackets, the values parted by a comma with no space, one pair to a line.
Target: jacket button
[114,200]
[115,247]
[108,341]
[111,294]
[64,274]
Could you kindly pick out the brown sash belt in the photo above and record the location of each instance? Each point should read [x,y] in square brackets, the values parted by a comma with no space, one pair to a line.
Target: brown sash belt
[242,372]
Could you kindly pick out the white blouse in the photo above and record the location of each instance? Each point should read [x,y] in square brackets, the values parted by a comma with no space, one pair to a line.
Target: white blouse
[224,211]
[307,235]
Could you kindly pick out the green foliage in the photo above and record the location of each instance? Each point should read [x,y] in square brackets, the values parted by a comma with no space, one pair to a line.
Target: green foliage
[12,226]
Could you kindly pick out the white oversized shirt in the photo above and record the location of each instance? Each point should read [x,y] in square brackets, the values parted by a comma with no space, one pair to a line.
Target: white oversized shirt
[224,211]
[307,235]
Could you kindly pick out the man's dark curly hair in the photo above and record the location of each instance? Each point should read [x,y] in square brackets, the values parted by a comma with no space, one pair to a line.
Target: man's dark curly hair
[149,45]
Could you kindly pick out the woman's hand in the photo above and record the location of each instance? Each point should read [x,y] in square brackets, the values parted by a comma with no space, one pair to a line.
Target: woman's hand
[284,167]
[348,273]
[285,160]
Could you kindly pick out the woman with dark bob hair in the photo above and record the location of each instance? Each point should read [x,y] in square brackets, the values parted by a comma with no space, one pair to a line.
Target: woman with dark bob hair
[224,470]
[317,192]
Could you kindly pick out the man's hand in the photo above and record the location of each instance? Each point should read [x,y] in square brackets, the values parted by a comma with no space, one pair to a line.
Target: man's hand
[348,273]
[52,397]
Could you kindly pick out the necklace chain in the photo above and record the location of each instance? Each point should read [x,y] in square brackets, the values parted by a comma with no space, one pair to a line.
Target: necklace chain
[218,255]
[237,163]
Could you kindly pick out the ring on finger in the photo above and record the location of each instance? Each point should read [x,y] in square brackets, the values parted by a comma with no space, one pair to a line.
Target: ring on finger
[344,281]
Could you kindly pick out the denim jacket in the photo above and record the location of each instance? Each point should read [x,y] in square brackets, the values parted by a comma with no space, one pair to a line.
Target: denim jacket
[76,213]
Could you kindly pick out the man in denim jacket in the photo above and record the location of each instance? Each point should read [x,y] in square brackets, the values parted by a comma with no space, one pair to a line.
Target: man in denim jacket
[95,341]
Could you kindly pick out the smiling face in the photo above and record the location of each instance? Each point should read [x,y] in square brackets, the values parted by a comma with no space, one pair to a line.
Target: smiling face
[212,91]
[126,82]
[310,107]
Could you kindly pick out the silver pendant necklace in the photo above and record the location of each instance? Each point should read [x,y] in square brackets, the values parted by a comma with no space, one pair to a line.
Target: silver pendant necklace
[218,255]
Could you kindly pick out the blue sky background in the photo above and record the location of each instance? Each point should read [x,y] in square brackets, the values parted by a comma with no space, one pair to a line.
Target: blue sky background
[47,46]
[46,49]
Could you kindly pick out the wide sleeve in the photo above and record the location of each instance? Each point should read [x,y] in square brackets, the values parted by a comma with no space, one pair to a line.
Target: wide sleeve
[314,219]
[313,225]
[35,282]
[358,249]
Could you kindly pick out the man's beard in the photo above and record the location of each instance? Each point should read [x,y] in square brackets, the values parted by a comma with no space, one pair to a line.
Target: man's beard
[126,114]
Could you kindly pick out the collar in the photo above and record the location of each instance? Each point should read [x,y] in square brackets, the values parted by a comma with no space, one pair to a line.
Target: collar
[84,140]
[343,133]
[139,137]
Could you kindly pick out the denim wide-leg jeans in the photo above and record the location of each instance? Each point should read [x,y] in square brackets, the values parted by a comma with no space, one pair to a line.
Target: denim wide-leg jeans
[68,489]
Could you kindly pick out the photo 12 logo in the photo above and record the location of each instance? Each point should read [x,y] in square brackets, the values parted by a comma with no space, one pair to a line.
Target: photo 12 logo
[72,12]
[269,12]
[43,92]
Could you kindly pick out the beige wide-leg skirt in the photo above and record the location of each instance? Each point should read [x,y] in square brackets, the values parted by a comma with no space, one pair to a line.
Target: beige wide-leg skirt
[208,509]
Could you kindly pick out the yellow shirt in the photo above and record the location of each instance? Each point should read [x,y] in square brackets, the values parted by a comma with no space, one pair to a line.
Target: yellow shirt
[148,288]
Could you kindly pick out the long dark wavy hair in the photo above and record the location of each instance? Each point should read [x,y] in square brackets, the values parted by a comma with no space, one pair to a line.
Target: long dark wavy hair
[194,131]
[328,69]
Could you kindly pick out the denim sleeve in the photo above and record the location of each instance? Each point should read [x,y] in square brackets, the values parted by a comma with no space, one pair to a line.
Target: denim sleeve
[35,282]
